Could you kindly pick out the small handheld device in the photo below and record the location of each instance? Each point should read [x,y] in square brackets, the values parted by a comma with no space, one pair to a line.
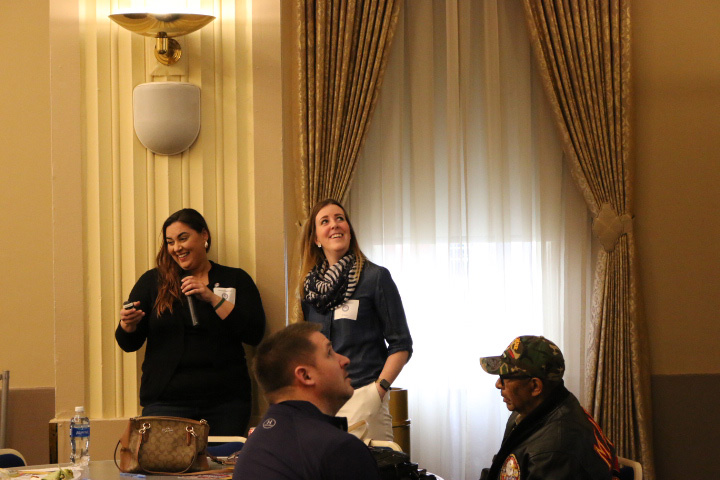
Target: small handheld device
[129,305]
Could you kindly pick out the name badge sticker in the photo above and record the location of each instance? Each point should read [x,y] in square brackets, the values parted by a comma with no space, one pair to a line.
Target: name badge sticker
[227,293]
[347,310]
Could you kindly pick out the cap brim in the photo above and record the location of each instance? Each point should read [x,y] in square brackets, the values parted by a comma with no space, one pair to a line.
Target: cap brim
[491,365]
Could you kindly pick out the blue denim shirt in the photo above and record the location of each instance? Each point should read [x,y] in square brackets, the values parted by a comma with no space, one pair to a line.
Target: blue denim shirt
[378,329]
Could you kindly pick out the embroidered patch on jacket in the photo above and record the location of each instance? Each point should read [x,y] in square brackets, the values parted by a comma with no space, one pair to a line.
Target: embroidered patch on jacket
[269,423]
[510,469]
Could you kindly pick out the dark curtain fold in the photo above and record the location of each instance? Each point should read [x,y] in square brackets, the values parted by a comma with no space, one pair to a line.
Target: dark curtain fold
[583,52]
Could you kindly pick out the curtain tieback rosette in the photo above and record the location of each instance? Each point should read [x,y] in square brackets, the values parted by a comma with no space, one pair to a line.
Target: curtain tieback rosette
[608,226]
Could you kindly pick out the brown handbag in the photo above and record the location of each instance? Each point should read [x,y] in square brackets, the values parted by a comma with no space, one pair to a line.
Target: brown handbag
[167,445]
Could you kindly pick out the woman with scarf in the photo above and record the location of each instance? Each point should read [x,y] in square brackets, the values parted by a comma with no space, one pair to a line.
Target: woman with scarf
[360,310]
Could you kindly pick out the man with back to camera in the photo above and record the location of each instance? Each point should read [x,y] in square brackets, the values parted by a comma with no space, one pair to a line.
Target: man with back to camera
[306,382]
[548,435]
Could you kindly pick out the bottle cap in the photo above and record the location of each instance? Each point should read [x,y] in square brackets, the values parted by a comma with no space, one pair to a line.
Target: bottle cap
[79,409]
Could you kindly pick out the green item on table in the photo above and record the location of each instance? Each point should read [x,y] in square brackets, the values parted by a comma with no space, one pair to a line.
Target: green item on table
[61,474]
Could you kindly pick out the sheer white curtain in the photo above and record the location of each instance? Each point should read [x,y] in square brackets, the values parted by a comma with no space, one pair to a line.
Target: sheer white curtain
[462,194]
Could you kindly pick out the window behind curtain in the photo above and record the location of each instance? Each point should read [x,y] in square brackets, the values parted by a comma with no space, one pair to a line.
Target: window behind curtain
[461,193]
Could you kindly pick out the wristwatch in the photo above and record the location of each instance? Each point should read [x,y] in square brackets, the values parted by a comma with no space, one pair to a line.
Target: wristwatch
[384,384]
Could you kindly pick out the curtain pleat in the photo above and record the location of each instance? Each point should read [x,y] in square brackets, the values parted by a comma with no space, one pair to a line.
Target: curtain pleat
[343,47]
[583,52]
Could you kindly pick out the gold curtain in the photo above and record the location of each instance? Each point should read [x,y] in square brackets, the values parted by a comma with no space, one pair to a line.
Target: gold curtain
[583,52]
[343,48]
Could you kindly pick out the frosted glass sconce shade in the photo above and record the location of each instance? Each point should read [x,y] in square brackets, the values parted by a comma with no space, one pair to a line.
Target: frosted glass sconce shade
[166,116]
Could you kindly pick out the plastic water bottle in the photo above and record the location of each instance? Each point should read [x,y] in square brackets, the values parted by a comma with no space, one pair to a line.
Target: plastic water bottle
[80,438]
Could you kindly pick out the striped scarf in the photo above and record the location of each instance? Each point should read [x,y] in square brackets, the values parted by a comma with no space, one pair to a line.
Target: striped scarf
[328,288]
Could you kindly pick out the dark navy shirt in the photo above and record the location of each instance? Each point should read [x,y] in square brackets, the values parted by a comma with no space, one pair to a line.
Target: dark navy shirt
[296,441]
[360,328]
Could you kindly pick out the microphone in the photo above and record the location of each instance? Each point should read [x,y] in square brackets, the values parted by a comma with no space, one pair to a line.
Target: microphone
[191,304]
[193,315]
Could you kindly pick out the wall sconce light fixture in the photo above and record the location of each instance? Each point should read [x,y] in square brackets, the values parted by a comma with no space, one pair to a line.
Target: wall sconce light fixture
[166,115]
[163,27]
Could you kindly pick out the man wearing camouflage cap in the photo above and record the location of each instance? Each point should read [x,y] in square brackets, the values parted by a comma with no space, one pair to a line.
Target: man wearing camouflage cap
[548,434]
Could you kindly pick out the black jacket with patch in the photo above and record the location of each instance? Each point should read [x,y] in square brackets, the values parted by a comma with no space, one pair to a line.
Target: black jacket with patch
[558,440]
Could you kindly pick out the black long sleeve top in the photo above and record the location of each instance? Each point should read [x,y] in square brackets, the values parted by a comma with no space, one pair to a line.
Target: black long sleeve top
[196,363]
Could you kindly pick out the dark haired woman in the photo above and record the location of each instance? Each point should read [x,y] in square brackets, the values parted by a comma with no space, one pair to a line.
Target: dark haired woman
[194,365]
[359,308]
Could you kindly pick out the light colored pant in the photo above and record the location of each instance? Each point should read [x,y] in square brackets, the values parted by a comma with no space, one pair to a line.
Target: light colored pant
[365,404]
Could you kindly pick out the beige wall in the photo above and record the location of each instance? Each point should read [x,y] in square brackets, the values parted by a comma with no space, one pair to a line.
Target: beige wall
[677,96]
[677,130]
[27,333]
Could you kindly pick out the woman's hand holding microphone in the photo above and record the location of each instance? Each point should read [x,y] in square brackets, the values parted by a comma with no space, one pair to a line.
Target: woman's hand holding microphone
[194,286]
[196,289]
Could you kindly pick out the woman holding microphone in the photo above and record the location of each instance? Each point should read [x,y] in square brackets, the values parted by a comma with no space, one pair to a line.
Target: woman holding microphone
[194,315]
[360,310]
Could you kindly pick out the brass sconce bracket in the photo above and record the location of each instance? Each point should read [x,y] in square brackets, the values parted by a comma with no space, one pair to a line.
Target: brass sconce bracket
[167,50]
[163,27]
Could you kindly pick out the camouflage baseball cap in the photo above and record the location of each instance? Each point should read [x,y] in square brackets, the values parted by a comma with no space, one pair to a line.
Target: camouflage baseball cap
[528,355]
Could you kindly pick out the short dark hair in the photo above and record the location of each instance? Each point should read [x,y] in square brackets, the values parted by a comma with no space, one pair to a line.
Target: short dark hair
[277,356]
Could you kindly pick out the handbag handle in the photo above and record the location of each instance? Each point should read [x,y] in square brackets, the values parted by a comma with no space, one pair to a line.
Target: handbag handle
[124,445]
[115,456]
